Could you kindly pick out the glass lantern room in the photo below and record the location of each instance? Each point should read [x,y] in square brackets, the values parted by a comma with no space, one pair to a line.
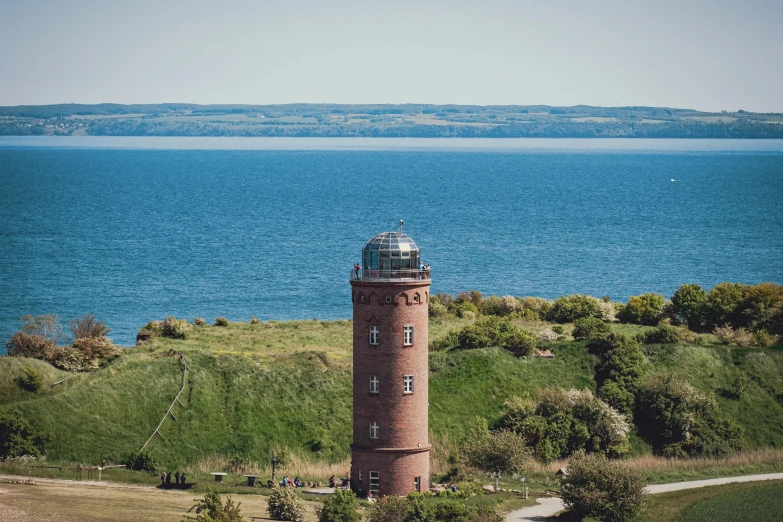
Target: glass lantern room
[390,252]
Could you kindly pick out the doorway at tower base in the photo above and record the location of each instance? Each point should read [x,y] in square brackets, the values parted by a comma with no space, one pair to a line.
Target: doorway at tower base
[390,472]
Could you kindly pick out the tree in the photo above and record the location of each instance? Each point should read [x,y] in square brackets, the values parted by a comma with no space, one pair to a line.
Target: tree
[284,505]
[87,326]
[212,509]
[722,303]
[18,437]
[568,309]
[610,491]
[46,326]
[589,328]
[689,304]
[620,371]
[759,305]
[339,507]
[498,452]
[644,309]
[562,422]
[681,422]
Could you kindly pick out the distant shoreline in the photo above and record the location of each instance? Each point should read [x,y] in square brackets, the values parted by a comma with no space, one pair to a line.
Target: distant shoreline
[487,145]
[385,121]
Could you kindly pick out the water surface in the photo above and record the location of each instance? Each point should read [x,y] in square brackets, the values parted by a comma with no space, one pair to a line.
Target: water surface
[134,229]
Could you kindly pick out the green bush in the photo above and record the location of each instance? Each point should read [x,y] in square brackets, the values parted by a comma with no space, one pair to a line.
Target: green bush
[31,380]
[221,321]
[644,309]
[610,491]
[284,505]
[681,422]
[569,309]
[499,452]
[461,308]
[212,509]
[199,321]
[534,308]
[255,320]
[458,512]
[661,334]
[560,423]
[589,328]
[500,306]
[620,371]
[723,302]
[389,509]
[760,304]
[18,437]
[175,328]
[468,488]
[340,506]
[436,308]
[486,333]
[689,305]
[141,461]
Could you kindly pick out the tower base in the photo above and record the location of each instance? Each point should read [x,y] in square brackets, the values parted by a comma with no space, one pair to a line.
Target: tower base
[393,471]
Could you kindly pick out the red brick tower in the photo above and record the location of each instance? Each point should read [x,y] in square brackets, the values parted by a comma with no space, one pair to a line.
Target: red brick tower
[390,293]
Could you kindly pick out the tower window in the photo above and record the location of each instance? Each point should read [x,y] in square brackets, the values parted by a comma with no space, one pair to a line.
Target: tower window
[407,384]
[373,431]
[416,298]
[388,299]
[360,475]
[374,483]
[362,298]
[374,384]
[416,483]
[373,335]
[408,335]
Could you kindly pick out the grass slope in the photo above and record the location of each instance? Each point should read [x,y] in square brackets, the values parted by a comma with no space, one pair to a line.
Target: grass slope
[277,387]
[759,502]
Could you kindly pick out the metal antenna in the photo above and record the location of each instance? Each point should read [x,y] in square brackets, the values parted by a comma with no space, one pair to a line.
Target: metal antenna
[401,222]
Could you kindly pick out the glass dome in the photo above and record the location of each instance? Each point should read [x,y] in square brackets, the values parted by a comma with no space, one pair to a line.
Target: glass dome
[390,251]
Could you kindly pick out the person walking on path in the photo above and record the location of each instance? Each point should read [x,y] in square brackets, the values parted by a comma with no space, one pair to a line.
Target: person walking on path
[163,479]
[176,476]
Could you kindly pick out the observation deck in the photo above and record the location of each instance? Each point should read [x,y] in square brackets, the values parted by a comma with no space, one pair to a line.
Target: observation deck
[393,276]
[391,257]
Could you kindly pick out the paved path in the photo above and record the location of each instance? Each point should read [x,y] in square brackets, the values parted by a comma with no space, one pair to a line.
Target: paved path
[548,506]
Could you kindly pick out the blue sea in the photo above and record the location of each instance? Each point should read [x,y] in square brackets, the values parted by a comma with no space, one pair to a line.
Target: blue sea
[135,229]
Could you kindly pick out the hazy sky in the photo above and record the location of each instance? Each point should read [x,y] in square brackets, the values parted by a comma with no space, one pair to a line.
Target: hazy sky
[708,55]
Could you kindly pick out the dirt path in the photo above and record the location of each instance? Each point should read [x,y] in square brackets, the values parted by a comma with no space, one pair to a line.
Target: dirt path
[547,507]
[92,501]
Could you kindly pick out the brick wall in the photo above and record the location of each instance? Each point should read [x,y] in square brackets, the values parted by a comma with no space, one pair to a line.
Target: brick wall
[402,418]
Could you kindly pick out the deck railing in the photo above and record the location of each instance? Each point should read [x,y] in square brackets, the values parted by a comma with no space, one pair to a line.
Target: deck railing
[390,275]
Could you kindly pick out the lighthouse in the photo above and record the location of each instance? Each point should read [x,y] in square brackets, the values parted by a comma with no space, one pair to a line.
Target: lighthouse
[390,293]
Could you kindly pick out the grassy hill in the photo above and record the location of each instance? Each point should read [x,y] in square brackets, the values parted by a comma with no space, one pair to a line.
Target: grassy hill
[285,388]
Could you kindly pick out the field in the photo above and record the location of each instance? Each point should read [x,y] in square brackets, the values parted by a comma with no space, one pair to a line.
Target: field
[75,502]
[752,501]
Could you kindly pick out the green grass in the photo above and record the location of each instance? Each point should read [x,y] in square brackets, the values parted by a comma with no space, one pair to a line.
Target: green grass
[751,501]
[285,387]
